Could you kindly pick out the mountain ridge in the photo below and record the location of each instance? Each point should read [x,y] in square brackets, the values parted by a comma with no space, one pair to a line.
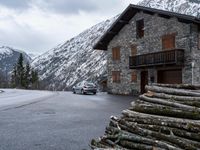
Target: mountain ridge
[76,52]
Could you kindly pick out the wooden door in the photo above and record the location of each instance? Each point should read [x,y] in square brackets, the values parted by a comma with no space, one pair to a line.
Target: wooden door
[144,81]
[170,76]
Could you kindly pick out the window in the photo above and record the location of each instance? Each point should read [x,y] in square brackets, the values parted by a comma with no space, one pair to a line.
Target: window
[116,53]
[134,76]
[133,50]
[116,76]
[140,28]
[168,41]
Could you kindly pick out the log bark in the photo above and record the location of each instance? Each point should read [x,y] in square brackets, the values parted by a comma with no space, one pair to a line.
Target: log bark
[188,100]
[132,145]
[97,144]
[166,111]
[173,91]
[185,124]
[167,103]
[157,136]
[169,130]
[173,97]
[178,86]
[135,136]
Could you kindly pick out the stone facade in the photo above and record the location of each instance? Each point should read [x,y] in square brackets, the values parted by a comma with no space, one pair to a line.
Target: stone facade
[154,28]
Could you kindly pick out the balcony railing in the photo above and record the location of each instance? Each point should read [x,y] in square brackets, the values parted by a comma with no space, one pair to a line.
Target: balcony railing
[169,57]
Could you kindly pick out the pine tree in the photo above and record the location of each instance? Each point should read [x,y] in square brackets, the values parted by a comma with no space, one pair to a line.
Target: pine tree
[27,77]
[24,77]
[3,83]
[14,81]
[20,72]
[34,79]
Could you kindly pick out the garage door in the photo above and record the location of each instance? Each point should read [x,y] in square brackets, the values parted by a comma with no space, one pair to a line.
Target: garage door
[170,76]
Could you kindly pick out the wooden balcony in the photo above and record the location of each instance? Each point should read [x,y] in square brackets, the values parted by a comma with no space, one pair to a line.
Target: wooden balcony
[161,58]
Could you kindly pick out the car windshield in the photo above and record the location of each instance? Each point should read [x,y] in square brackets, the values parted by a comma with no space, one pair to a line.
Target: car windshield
[89,84]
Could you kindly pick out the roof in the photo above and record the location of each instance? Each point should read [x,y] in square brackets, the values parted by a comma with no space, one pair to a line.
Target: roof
[129,13]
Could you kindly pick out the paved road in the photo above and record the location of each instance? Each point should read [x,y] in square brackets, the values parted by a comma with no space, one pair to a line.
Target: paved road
[63,121]
[15,97]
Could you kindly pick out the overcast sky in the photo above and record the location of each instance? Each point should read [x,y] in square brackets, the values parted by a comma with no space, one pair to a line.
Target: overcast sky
[39,25]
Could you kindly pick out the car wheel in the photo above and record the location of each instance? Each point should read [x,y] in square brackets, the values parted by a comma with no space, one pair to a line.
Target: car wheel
[82,92]
[74,91]
[94,93]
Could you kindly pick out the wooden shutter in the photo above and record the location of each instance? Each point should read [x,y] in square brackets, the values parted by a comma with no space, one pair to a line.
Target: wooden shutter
[116,76]
[168,41]
[116,53]
[133,50]
[134,76]
[140,28]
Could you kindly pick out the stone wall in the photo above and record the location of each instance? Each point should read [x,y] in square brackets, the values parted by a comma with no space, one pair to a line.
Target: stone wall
[155,28]
[195,54]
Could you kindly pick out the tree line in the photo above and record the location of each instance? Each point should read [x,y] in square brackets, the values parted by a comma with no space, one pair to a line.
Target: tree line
[23,76]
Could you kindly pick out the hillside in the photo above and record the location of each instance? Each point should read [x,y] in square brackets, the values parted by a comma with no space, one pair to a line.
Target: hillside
[189,7]
[74,60]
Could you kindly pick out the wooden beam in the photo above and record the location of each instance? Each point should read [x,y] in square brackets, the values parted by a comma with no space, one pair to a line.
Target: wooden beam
[111,32]
[164,16]
[123,21]
[149,12]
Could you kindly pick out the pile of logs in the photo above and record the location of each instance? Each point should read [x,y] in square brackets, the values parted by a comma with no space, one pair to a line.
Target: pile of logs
[167,117]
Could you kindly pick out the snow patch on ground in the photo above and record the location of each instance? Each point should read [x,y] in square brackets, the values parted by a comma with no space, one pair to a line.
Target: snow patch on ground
[16,97]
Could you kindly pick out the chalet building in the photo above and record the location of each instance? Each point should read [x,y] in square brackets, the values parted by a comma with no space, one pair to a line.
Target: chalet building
[146,45]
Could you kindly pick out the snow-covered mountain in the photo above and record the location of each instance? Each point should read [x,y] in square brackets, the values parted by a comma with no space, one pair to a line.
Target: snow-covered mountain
[75,60]
[8,57]
[189,7]
[33,55]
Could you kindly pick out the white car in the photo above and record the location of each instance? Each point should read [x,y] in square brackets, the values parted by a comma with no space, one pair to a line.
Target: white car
[85,87]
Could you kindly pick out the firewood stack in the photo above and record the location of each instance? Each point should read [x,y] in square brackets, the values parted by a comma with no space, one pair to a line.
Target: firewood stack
[167,117]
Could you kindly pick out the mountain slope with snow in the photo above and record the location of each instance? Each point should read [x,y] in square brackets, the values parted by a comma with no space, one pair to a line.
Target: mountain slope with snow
[75,60]
[9,57]
[189,7]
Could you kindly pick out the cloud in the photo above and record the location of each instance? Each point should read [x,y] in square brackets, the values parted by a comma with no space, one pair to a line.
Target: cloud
[59,6]
[16,4]
[39,25]
[65,6]
[71,6]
